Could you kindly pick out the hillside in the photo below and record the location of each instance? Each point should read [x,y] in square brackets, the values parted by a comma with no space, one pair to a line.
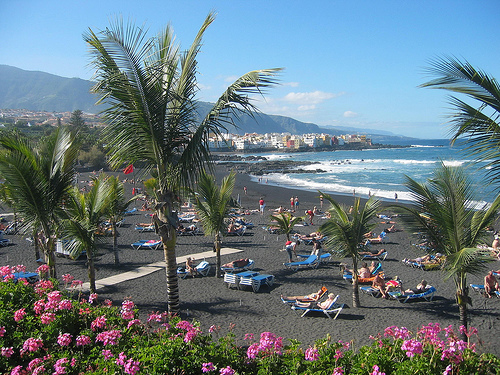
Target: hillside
[39,91]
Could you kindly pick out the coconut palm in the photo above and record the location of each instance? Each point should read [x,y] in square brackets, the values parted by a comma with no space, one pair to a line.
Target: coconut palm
[213,205]
[116,207]
[285,222]
[38,178]
[479,124]
[453,225]
[346,228]
[85,212]
[150,87]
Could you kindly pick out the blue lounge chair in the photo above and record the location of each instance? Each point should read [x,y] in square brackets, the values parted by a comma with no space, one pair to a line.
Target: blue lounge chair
[348,276]
[203,268]
[380,257]
[146,244]
[311,261]
[325,257]
[428,295]
[145,228]
[331,311]
[131,211]
[480,289]
[256,281]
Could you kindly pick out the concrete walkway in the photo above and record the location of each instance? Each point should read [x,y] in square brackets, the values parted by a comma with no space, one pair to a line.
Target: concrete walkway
[153,267]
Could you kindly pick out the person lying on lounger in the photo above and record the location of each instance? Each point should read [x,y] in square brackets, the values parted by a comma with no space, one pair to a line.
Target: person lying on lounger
[421,288]
[426,259]
[313,297]
[363,272]
[490,284]
[378,239]
[372,252]
[311,236]
[237,263]
[322,305]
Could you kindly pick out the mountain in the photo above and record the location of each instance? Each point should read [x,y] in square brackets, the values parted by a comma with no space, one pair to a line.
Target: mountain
[39,91]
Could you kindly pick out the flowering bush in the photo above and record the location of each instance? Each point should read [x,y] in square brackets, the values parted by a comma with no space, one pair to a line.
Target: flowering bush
[44,331]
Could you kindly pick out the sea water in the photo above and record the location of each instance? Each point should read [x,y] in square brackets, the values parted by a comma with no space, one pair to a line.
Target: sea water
[380,172]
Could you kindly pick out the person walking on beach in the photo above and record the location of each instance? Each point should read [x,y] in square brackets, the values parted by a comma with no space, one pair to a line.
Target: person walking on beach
[262,205]
[245,189]
[321,201]
[296,203]
[292,204]
[311,216]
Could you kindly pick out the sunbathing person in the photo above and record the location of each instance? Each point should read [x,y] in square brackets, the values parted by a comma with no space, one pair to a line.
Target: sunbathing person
[379,283]
[421,288]
[311,236]
[391,229]
[327,303]
[378,239]
[373,266]
[372,252]
[190,267]
[237,263]
[426,259]
[313,297]
[490,284]
[363,272]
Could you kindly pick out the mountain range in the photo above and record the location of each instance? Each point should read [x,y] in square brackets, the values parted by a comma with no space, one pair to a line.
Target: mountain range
[40,91]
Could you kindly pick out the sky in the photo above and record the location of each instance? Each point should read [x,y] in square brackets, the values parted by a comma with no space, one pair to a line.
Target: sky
[346,63]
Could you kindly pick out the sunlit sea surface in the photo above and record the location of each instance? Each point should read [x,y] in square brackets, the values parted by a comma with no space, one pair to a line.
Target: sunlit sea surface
[377,172]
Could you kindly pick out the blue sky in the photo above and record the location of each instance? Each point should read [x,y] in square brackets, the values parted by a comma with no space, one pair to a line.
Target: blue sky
[348,63]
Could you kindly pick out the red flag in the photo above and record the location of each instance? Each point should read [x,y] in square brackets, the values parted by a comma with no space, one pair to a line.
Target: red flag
[129,169]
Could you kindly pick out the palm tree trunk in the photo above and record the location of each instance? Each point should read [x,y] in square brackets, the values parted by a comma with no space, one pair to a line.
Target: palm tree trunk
[218,245]
[115,242]
[171,271]
[355,288]
[35,243]
[462,299]
[91,271]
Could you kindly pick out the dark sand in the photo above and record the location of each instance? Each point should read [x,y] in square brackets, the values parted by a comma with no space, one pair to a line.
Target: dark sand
[209,301]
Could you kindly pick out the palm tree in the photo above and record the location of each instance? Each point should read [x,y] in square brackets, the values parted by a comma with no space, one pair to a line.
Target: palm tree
[38,179]
[85,212]
[151,87]
[453,225]
[479,124]
[212,205]
[285,222]
[116,207]
[346,229]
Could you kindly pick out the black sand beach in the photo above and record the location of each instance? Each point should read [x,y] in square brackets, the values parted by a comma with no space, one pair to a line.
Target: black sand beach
[209,301]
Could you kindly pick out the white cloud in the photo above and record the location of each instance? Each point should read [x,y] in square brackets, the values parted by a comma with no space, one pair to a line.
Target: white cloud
[350,114]
[309,98]
[291,84]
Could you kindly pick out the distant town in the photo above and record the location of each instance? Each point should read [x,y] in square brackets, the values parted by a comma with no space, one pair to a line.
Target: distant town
[226,142]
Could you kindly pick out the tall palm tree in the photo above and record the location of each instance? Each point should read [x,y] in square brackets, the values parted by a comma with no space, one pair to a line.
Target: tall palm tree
[453,225]
[116,207]
[346,229]
[38,179]
[151,87]
[85,212]
[285,222]
[477,126]
[212,205]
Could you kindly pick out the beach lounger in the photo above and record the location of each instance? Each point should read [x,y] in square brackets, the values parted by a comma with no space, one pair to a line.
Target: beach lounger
[424,266]
[322,258]
[131,211]
[203,268]
[186,218]
[31,277]
[374,292]
[4,242]
[256,281]
[146,244]
[428,295]
[246,267]
[331,311]
[233,279]
[311,261]
[239,232]
[480,289]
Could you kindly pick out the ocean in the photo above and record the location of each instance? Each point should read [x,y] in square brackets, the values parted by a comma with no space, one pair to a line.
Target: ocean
[379,172]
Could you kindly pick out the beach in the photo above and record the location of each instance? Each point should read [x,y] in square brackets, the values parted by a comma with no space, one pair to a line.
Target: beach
[209,301]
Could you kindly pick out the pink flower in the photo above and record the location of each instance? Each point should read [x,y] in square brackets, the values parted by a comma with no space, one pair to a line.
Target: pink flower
[135,322]
[19,315]
[43,286]
[34,363]
[76,283]
[2,331]
[376,371]
[121,359]
[107,354]
[127,314]
[99,322]
[155,316]
[39,306]
[54,296]
[65,305]
[64,339]
[412,347]
[5,270]
[214,328]
[253,351]
[7,352]
[184,324]
[226,371]
[207,367]
[67,278]
[43,269]
[83,340]
[248,336]
[17,370]
[311,354]
[131,367]
[338,371]
[92,298]
[109,337]
[48,318]
[20,268]
[107,302]
[60,369]
[32,345]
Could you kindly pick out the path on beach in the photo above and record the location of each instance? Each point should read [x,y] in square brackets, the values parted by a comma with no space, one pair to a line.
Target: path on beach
[153,267]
